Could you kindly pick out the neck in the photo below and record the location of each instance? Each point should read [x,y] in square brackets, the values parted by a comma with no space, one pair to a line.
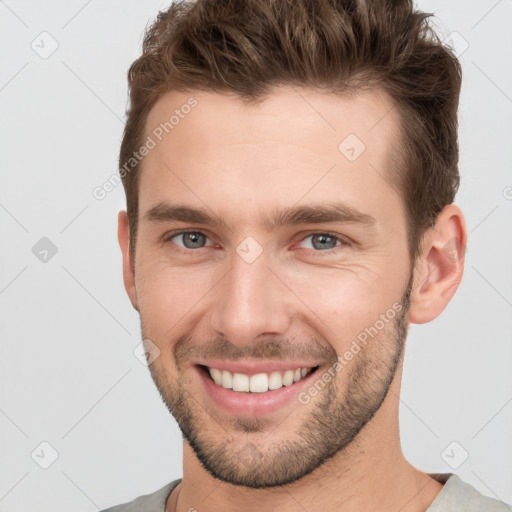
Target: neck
[370,474]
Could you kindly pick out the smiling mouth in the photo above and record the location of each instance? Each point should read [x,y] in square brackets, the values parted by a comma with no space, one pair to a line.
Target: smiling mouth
[259,382]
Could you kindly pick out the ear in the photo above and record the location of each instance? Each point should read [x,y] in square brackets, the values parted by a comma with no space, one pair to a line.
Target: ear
[123,235]
[439,267]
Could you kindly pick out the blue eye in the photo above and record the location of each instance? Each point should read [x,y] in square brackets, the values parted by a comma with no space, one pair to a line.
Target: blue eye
[323,241]
[190,239]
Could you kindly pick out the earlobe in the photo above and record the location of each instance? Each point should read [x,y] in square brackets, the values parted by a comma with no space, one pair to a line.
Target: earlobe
[123,235]
[440,266]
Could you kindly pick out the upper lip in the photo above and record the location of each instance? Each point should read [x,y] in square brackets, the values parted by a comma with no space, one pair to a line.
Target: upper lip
[253,367]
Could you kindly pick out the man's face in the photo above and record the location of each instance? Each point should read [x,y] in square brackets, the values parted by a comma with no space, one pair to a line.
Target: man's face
[251,295]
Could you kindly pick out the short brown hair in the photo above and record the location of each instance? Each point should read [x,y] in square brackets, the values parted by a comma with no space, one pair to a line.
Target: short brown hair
[247,46]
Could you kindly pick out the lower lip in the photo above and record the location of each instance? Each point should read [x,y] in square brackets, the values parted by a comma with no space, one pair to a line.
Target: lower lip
[252,404]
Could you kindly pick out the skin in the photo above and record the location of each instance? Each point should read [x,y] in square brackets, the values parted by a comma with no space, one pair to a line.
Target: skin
[296,300]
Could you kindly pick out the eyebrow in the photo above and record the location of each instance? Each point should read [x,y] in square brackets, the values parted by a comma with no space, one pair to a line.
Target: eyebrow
[294,215]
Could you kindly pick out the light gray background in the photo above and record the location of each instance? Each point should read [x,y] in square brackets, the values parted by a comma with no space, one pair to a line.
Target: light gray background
[68,331]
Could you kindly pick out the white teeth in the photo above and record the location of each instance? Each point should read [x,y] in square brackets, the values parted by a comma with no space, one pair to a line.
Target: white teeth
[258,383]
[216,376]
[227,379]
[275,381]
[288,377]
[240,382]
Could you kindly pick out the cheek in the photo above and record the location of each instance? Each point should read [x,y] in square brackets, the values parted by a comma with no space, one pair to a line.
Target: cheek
[169,296]
[168,300]
[342,304]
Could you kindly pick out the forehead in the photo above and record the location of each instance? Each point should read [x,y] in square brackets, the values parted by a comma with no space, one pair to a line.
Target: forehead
[296,114]
[297,142]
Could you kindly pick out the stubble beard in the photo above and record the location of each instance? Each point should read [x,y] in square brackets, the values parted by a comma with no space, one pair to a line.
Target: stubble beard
[278,457]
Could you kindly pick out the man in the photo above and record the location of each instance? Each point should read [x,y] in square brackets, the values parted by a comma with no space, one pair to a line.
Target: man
[290,170]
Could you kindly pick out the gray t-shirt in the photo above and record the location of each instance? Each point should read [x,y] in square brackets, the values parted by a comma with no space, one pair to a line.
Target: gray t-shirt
[455,496]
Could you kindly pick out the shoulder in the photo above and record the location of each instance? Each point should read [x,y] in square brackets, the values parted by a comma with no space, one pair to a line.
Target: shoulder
[459,496]
[153,502]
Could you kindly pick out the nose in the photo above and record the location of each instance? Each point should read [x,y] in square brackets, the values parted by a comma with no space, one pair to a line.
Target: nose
[250,301]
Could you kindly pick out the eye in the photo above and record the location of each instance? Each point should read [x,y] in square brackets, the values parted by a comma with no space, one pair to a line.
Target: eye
[189,239]
[318,242]
[322,241]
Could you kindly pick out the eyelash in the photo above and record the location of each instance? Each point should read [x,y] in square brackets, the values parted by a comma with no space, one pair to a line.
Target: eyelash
[173,234]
